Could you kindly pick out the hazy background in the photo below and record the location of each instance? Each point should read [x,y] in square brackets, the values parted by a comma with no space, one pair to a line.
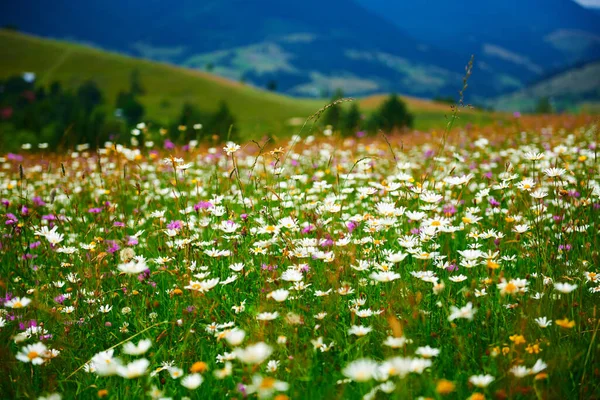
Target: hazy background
[311,48]
[99,67]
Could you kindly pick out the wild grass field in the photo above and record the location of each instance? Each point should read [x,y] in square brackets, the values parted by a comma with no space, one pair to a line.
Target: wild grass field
[411,267]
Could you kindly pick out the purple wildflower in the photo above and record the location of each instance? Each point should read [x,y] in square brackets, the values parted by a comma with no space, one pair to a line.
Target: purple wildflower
[112,246]
[351,225]
[452,268]
[449,209]
[175,225]
[493,202]
[11,219]
[308,228]
[14,157]
[168,145]
[38,202]
[203,205]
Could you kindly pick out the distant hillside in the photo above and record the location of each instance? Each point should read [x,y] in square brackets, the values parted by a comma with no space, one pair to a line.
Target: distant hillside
[305,48]
[566,90]
[516,41]
[168,87]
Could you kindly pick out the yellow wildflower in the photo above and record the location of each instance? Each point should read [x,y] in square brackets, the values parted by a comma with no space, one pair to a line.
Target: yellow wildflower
[565,323]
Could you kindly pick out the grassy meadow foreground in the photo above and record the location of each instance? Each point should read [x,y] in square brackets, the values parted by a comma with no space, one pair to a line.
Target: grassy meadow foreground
[326,268]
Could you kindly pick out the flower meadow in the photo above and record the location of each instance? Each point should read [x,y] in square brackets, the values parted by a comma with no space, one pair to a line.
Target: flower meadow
[315,268]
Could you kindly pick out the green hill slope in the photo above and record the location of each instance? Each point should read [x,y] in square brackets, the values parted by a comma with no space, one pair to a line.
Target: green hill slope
[168,87]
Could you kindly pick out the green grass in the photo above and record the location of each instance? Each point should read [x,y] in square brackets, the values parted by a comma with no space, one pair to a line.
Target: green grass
[168,87]
[316,220]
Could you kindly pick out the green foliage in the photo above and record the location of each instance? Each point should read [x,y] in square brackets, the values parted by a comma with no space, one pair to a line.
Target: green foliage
[352,120]
[184,127]
[64,119]
[392,115]
[333,116]
[196,124]
[52,116]
[131,109]
[223,124]
[89,96]
[347,121]
[135,84]
[544,106]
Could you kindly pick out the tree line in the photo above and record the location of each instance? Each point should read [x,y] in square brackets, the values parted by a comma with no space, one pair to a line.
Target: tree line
[391,115]
[56,117]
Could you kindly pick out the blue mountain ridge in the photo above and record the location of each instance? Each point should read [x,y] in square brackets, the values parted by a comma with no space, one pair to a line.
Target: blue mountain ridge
[311,48]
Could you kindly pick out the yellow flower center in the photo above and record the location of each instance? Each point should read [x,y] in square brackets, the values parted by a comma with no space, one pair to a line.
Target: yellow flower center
[267,383]
[510,288]
[32,355]
[199,366]
[444,387]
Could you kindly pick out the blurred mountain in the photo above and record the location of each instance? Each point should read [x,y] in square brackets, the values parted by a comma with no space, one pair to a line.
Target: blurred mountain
[518,39]
[312,48]
[568,90]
